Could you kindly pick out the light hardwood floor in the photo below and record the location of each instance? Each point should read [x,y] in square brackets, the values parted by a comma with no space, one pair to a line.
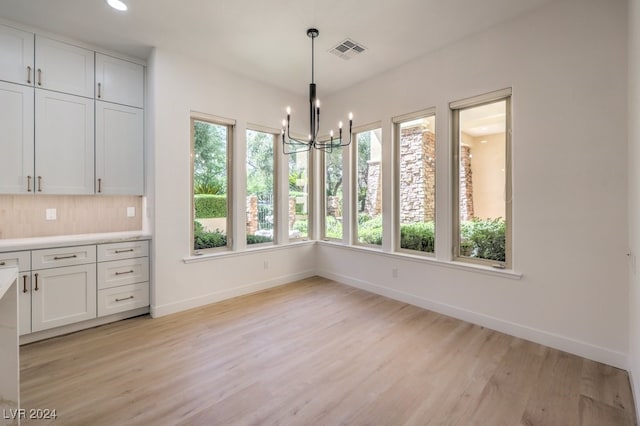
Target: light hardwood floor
[315,352]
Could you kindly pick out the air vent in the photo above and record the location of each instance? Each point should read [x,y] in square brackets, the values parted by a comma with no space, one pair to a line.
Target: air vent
[348,49]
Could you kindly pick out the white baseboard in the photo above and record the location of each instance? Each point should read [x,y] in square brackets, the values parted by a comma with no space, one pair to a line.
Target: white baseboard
[563,343]
[195,302]
[635,388]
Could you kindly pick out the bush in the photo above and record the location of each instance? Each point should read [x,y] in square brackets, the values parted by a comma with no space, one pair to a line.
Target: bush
[418,236]
[208,188]
[203,239]
[370,231]
[208,206]
[302,226]
[258,239]
[333,227]
[487,237]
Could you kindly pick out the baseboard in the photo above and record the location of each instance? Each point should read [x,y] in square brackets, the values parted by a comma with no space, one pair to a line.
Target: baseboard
[195,302]
[563,343]
[635,388]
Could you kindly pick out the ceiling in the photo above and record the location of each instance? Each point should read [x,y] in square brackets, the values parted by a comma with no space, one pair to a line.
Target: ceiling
[266,39]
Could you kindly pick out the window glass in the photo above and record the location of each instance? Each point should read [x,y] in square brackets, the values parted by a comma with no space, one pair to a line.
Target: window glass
[298,195]
[333,194]
[368,194]
[260,187]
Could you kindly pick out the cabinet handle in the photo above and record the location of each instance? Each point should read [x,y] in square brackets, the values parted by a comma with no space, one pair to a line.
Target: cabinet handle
[124,298]
[99,185]
[36,276]
[99,91]
[39,183]
[73,256]
[124,251]
[28,74]
[24,284]
[124,273]
[39,77]
[29,183]
[3,263]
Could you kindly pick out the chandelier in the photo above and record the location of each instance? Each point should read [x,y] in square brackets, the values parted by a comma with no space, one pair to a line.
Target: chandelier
[292,145]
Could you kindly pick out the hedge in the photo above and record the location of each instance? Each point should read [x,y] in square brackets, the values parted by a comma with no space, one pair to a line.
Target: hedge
[418,236]
[203,239]
[208,205]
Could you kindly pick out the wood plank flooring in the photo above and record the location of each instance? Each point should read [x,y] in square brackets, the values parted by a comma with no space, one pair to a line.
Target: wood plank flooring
[315,352]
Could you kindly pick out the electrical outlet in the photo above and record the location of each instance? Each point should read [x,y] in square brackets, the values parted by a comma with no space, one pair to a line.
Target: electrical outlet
[131,212]
[266,264]
[51,214]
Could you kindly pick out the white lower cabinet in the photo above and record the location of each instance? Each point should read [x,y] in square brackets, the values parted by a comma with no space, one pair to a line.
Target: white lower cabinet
[63,296]
[21,259]
[122,298]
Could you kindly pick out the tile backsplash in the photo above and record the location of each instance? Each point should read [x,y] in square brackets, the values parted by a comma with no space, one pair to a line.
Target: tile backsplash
[25,216]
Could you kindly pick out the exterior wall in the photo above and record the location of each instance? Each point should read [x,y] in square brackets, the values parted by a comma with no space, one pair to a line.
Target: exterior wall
[417,175]
[564,62]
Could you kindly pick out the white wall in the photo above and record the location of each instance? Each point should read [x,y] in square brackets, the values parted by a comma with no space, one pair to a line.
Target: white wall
[567,66]
[178,85]
[634,197]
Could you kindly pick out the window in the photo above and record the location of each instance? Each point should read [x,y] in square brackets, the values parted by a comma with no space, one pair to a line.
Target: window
[368,187]
[210,158]
[260,187]
[416,181]
[299,195]
[333,194]
[482,179]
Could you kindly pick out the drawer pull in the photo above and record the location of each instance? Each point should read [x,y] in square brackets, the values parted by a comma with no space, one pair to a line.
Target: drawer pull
[28,183]
[73,256]
[24,284]
[39,77]
[124,251]
[124,298]
[124,273]
[36,276]
[3,263]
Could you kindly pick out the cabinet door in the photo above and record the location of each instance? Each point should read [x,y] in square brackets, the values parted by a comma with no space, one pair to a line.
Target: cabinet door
[24,302]
[119,81]
[63,67]
[16,141]
[63,296]
[119,149]
[64,150]
[16,56]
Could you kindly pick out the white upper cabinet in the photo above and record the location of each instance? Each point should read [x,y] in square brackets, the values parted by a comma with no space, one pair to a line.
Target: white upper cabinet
[119,149]
[16,139]
[63,67]
[64,143]
[16,56]
[119,81]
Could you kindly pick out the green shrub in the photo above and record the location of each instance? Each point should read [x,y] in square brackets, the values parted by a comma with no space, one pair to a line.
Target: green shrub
[487,237]
[208,188]
[370,231]
[258,239]
[418,236]
[302,226]
[333,227]
[208,205]
[203,239]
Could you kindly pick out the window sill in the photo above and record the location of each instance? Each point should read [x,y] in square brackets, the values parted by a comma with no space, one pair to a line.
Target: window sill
[228,254]
[471,267]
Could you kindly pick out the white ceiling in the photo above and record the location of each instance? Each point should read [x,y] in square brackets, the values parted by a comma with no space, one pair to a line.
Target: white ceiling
[266,39]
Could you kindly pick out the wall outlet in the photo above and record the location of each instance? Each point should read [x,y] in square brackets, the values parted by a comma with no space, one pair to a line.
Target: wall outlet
[131,212]
[266,264]
[51,214]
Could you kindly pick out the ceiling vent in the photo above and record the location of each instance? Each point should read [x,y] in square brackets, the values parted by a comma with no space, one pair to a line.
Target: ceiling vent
[348,49]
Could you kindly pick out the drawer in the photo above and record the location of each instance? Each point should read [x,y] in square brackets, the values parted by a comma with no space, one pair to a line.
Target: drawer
[63,256]
[21,259]
[123,298]
[122,272]
[126,250]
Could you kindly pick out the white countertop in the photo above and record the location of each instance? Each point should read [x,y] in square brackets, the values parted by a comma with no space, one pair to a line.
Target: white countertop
[17,244]
[7,277]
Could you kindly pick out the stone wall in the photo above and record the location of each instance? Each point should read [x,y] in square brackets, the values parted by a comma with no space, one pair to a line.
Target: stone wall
[417,175]
[373,202]
[252,214]
[466,184]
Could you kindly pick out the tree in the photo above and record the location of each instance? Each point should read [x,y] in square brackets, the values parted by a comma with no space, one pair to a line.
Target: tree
[259,162]
[333,166]
[210,158]
[364,155]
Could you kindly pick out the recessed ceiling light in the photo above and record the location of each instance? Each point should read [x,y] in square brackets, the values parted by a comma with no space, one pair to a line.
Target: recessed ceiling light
[117,5]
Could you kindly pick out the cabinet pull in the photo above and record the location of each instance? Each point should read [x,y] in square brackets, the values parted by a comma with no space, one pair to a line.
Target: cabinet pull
[39,183]
[73,256]
[29,183]
[124,251]
[124,273]
[99,90]
[24,284]
[36,277]
[39,77]
[3,263]
[124,298]
[28,74]
[99,185]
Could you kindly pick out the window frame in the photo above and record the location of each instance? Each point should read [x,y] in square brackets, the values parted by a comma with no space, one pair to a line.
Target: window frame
[397,122]
[455,108]
[354,184]
[230,124]
[276,183]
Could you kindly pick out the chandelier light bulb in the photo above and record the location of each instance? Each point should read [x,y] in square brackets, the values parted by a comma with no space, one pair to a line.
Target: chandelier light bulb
[331,133]
[284,122]
[340,124]
[288,110]
[317,103]
[117,5]
[350,116]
